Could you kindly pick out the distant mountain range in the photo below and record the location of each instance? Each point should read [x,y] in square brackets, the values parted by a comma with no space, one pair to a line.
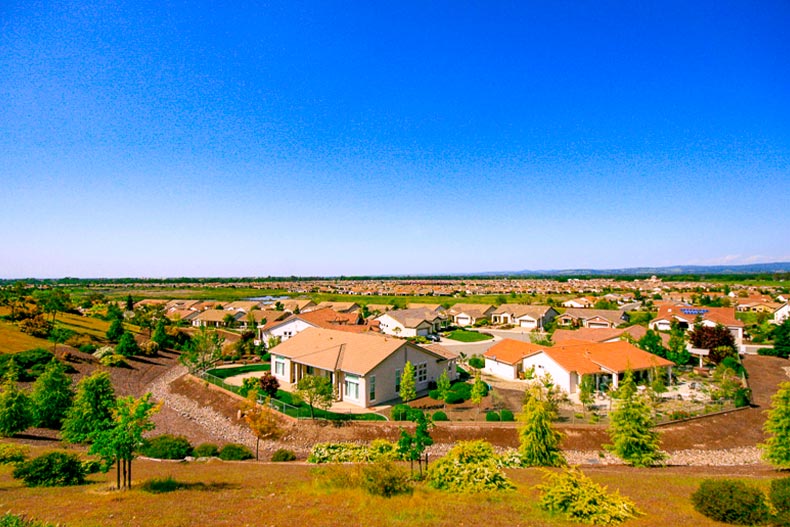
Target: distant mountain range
[757,268]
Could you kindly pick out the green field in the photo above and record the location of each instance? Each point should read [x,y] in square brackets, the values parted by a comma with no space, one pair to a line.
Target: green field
[463,335]
[224,373]
[13,341]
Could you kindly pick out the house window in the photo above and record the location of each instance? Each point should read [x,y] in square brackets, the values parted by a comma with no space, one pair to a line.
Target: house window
[397,381]
[421,372]
[279,367]
[372,388]
[310,370]
[352,387]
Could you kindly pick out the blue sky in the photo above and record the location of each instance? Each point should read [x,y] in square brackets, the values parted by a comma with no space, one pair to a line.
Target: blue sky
[322,138]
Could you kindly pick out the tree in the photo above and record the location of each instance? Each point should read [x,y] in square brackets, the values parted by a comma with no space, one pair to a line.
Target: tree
[781,335]
[713,338]
[479,390]
[206,349]
[116,330]
[127,346]
[408,381]
[117,442]
[147,316]
[586,391]
[651,343]
[52,396]
[58,336]
[539,442]
[16,412]
[229,320]
[412,447]
[92,409]
[261,418]
[129,303]
[443,385]
[677,345]
[160,335]
[631,428]
[113,312]
[269,384]
[315,390]
[776,449]
[53,300]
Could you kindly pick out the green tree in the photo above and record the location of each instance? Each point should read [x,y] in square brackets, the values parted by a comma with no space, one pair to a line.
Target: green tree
[52,396]
[539,442]
[412,447]
[117,442]
[651,343]
[129,303]
[587,390]
[408,390]
[781,336]
[59,335]
[16,411]
[206,349]
[776,449]
[631,428]
[315,390]
[443,385]
[53,301]
[92,409]
[116,330]
[229,320]
[113,313]
[479,390]
[127,346]
[160,335]
[677,345]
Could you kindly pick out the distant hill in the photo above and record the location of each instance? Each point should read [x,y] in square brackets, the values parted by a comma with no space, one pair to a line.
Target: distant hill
[758,268]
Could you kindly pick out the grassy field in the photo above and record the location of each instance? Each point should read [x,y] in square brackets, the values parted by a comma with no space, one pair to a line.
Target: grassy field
[248,493]
[224,373]
[221,294]
[463,335]
[13,341]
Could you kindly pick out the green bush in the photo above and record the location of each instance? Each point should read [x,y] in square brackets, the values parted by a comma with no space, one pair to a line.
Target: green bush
[92,466]
[476,361]
[492,416]
[454,398]
[235,452]
[506,415]
[439,416]
[414,414]
[166,446]
[731,501]
[470,466]
[160,485]
[11,453]
[580,499]
[435,394]
[56,469]
[12,520]
[382,450]
[385,479]
[742,397]
[206,450]
[400,412]
[283,455]
[780,494]
[464,389]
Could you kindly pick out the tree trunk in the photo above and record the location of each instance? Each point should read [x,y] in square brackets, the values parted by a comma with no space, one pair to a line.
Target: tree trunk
[118,473]
[257,444]
[130,473]
[124,472]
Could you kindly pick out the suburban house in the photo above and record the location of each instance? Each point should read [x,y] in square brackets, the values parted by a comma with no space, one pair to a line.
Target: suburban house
[320,318]
[437,308]
[592,318]
[468,314]
[340,307]
[579,303]
[524,316]
[410,322]
[781,314]
[599,334]
[215,318]
[365,369]
[607,362]
[245,306]
[297,305]
[686,316]
[505,359]
[260,317]
[178,316]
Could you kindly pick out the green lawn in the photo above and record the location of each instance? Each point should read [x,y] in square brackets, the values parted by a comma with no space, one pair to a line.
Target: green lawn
[464,335]
[301,409]
[224,373]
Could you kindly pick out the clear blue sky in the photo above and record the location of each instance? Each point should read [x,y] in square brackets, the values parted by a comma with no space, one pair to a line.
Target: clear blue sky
[180,138]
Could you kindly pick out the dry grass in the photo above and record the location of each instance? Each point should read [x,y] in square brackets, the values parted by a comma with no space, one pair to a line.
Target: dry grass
[246,493]
[13,341]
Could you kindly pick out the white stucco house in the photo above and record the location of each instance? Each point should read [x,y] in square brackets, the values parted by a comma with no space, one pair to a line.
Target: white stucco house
[319,318]
[524,316]
[687,316]
[418,322]
[467,314]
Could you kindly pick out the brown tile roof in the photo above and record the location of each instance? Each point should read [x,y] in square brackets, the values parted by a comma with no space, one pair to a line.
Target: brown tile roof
[717,315]
[519,310]
[476,310]
[597,334]
[509,351]
[441,350]
[339,306]
[242,305]
[411,318]
[215,315]
[323,318]
[612,315]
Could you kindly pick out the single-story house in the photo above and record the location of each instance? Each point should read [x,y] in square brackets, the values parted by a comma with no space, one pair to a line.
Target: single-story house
[340,307]
[599,334]
[781,314]
[410,322]
[592,318]
[505,359]
[686,316]
[579,303]
[215,318]
[320,318]
[468,314]
[297,305]
[524,316]
[365,369]
[245,306]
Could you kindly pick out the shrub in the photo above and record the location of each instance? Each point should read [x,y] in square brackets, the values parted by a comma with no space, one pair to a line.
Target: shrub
[731,501]
[382,450]
[55,469]
[580,499]
[439,416]
[92,466]
[492,416]
[160,485]
[414,414]
[742,397]
[470,466]
[435,394]
[283,455]
[400,412]
[206,450]
[385,479]
[235,452]
[11,453]
[338,453]
[780,494]
[12,520]
[464,389]
[166,446]
[506,415]
[249,383]
[454,398]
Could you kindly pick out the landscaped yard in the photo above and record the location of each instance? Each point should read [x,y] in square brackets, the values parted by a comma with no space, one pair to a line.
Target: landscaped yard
[224,373]
[300,409]
[465,335]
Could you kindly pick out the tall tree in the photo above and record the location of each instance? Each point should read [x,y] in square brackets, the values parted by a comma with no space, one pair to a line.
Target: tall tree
[160,335]
[129,303]
[127,345]
[677,345]
[539,443]
[781,336]
[16,412]
[261,418]
[651,343]
[443,385]
[586,391]
[776,449]
[117,442]
[408,383]
[479,389]
[713,338]
[92,409]
[52,396]
[315,390]
[631,428]
[53,301]
[116,330]
[204,352]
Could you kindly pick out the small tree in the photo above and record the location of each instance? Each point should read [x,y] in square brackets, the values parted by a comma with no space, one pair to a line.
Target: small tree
[586,391]
[677,346]
[443,385]
[229,320]
[781,336]
[412,447]
[269,384]
[116,330]
[315,390]
[52,396]
[776,449]
[713,338]
[16,412]
[206,349]
[92,410]
[652,343]
[539,442]
[58,335]
[160,335]
[479,390]
[127,345]
[631,428]
[261,419]
[408,381]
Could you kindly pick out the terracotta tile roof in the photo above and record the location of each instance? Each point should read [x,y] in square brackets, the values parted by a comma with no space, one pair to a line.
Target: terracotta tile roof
[476,310]
[614,316]
[687,313]
[519,310]
[509,351]
[589,357]
[339,306]
[597,334]
[411,318]
[441,350]
[322,318]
